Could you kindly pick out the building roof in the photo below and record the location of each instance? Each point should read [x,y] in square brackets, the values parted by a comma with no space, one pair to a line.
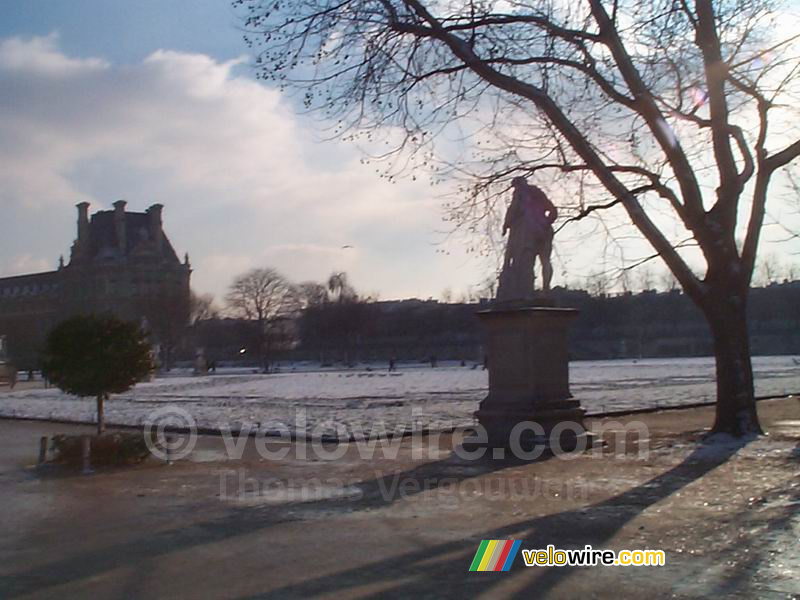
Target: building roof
[47,278]
[103,242]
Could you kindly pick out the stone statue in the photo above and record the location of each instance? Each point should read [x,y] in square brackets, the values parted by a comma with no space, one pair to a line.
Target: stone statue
[529,222]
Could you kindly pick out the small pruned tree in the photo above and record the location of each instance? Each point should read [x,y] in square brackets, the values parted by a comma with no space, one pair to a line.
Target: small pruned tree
[97,356]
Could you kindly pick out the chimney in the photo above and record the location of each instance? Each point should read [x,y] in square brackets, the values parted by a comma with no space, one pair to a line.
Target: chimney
[155,226]
[83,221]
[119,226]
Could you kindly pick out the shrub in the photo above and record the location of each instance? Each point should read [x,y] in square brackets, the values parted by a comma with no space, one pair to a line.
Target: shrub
[97,356]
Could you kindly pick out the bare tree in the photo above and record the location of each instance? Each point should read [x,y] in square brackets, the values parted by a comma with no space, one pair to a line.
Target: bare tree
[645,276]
[657,109]
[268,300]
[485,289]
[792,272]
[312,293]
[669,281]
[598,284]
[201,308]
[769,270]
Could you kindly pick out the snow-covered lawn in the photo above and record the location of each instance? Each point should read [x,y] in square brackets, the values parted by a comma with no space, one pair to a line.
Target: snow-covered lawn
[359,398]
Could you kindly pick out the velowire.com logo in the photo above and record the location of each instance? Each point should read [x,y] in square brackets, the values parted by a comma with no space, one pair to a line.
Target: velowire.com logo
[495,555]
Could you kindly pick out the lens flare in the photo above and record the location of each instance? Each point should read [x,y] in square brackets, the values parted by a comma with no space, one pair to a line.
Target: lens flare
[698,95]
[667,132]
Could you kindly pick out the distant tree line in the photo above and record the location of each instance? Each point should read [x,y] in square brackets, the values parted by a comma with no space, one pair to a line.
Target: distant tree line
[267,318]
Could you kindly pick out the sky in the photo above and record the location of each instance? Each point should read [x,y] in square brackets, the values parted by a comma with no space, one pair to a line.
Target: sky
[155,102]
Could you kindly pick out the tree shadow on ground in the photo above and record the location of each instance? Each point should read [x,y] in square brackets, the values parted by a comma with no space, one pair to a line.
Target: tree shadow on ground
[418,573]
[762,541]
[423,573]
[372,494]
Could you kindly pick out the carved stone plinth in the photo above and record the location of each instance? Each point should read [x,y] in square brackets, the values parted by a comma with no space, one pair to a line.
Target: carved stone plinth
[529,375]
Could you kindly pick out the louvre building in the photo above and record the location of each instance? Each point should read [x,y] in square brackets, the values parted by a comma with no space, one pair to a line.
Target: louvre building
[121,263]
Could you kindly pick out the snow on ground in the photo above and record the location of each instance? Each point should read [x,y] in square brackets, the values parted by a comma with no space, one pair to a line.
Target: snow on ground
[363,399]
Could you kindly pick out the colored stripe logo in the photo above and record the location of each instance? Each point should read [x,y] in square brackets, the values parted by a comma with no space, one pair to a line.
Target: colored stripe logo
[495,555]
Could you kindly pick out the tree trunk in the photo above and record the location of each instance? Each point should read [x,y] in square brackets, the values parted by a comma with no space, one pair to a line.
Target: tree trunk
[101,420]
[736,404]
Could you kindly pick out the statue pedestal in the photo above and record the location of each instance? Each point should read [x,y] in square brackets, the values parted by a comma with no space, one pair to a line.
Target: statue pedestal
[529,377]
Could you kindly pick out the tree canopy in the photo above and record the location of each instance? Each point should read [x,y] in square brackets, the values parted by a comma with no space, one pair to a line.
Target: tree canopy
[97,356]
[661,108]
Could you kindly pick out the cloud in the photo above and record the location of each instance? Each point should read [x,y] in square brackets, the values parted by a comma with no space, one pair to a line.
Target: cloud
[243,181]
[40,55]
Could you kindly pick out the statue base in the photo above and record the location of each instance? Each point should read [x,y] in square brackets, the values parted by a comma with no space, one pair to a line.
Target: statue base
[528,364]
[538,300]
